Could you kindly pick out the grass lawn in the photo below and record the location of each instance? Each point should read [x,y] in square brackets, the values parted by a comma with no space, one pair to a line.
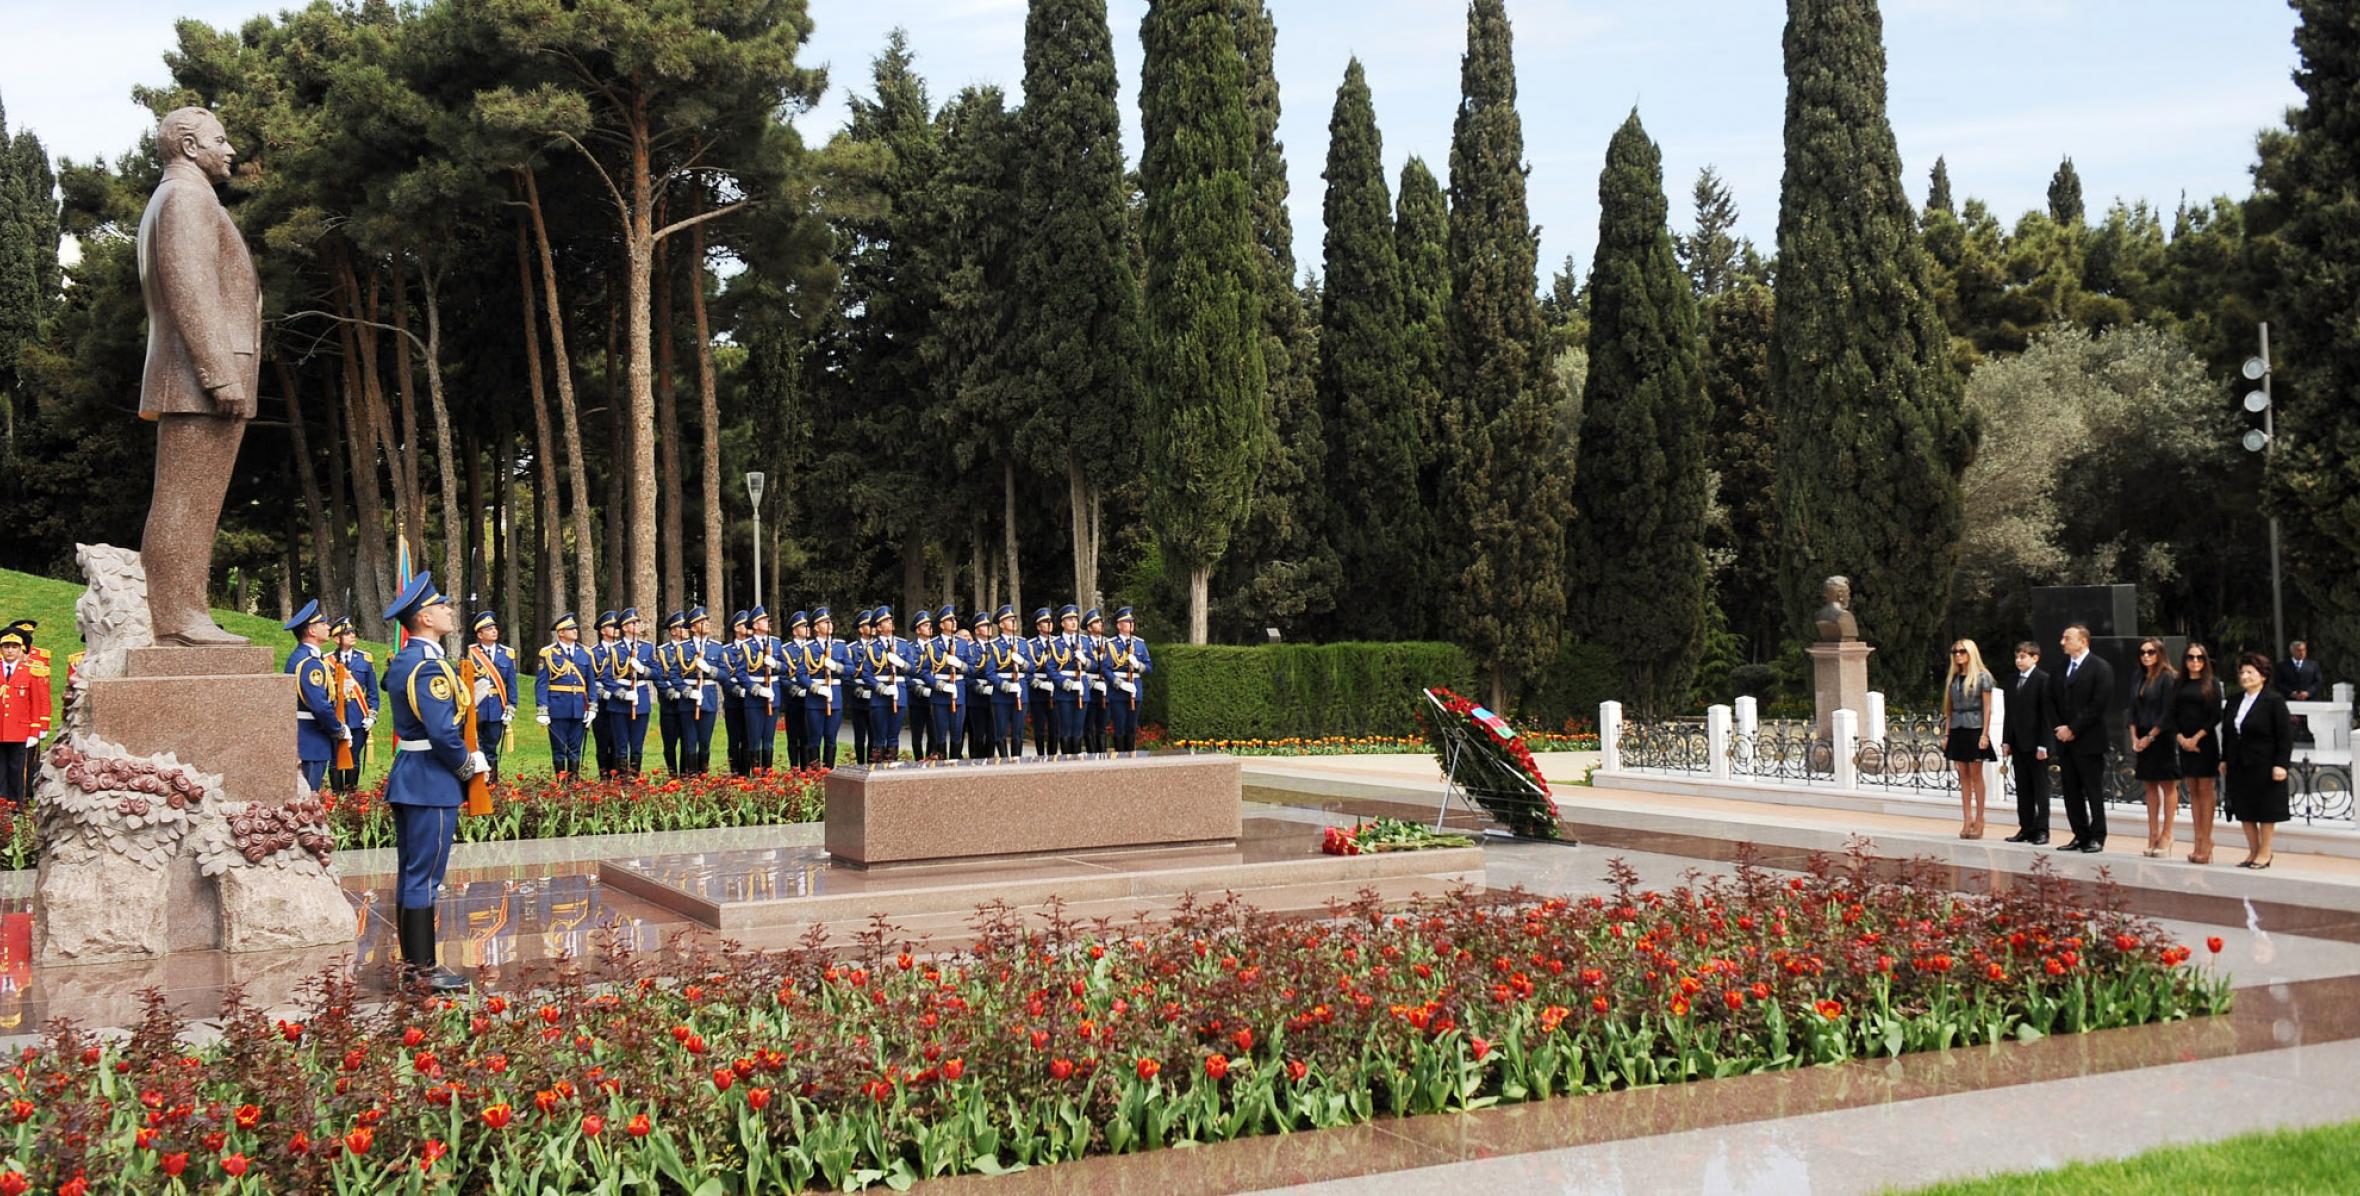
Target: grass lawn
[2318,1160]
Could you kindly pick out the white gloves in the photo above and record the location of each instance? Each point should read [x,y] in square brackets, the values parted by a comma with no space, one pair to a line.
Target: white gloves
[1127,687]
[706,667]
[476,765]
[802,691]
[343,732]
[1013,687]
[483,688]
[1044,683]
[895,659]
[1075,686]
[368,721]
[542,718]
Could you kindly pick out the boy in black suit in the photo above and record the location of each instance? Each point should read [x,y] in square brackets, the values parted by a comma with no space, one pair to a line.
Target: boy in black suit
[2031,741]
[2082,698]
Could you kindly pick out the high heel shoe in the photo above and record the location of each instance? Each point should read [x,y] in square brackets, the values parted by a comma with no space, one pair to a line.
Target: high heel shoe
[2265,863]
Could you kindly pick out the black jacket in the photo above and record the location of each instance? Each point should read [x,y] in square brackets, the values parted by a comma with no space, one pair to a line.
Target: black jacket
[2032,712]
[2265,742]
[2082,698]
[2299,676]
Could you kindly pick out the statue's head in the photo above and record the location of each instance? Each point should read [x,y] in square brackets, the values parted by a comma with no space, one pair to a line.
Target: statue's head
[1838,590]
[196,135]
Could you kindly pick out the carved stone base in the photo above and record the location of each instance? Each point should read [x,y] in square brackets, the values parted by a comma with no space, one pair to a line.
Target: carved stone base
[267,908]
[1839,670]
[238,725]
[94,911]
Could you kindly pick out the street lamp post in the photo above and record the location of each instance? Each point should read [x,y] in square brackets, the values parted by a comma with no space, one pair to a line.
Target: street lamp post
[754,492]
[2265,440]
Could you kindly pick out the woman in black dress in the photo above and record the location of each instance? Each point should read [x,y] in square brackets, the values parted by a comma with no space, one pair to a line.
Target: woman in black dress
[2158,763]
[2196,721]
[2257,748]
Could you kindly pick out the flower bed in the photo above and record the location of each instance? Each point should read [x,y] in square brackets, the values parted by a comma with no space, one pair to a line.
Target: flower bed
[1050,1041]
[1388,834]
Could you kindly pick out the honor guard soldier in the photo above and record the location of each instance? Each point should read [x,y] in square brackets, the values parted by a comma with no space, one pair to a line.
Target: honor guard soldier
[430,767]
[918,686]
[358,702]
[794,685]
[991,707]
[1068,665]
[668,687]
[24,713]
[859,698]
[632,695]
[1125,666]
[884,666]
[831,667]
[37,661]
[318,728]
[1041,689]
[1013,699]
[495,690]
[733,692]
[700,672]
[1094,715]
[947,666]
[604,686]
[562,694]
[760,668]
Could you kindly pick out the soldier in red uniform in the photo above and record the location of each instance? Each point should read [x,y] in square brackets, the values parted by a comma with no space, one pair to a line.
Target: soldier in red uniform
[24,711]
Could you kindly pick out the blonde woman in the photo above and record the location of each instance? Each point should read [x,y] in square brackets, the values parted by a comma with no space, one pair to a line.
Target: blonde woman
[1966,711]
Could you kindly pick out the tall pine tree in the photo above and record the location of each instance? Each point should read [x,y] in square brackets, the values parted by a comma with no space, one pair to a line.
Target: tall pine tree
[1743,456]
[1872,430]
[28,260]
[1074,272]
[1636,552]
[2065,205]
[1712,255]
[1938,188]
[1421,243]
[1508,493]
[1364,385]
[1207,428]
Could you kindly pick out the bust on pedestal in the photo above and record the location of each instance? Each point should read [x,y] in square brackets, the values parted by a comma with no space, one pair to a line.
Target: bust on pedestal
[1839,661]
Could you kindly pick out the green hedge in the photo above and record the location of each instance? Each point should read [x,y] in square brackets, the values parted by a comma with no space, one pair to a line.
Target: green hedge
[1282,690]
[1578,678]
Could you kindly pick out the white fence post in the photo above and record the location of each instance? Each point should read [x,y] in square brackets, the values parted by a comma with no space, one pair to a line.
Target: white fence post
[1610,736]
[1847,740]
[1748,717]
[1995,786]
[1872,722]
[2343,692]
[1716,740]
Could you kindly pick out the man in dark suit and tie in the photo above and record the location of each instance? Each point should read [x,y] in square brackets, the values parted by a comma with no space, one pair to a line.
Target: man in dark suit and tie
[2082,699]
[2298,678]
[2031,743]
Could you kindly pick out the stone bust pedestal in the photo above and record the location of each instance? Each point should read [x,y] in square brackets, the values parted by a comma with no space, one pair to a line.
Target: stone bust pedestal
[1839,674]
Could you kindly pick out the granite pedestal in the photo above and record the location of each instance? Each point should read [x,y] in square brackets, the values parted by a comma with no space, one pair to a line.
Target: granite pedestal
[903,814]
[1839,671]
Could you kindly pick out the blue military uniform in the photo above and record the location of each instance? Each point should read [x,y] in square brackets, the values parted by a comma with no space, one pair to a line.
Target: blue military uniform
[918,683]
[1010,663]
[358,704]
[602,680]
[1069,666]
[793,685]
[425,788]
[947,662]
[700,688]
[1094,713]
[630,695]
[495,692]
[859,698]
[318,726]
[1040,688]
[1124,666]
[880,667]
[829,662]
[562,694]
[760,666]
[733,693]
[669,688]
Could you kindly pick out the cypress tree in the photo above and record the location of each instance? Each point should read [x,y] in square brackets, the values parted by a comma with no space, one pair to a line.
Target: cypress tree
[1202,358]
[2065,196]
[2315,173]
[1938,188]
[1075,276]
[28,257]
[1421,242]
[1872,431]
[1742,455]
[1636,554]
[1363,375]
[1507,491]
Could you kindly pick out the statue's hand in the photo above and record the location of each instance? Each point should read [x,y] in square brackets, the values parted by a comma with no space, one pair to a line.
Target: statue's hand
[230,396]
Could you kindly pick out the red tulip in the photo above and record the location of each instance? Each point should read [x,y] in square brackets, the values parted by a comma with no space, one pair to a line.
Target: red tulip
[593,1125]
[1060,1069]
[1216,1067]
[1148,1068]
[358,1140]
[759,1098]
[498,1116]
[232,1166]
[2212,944]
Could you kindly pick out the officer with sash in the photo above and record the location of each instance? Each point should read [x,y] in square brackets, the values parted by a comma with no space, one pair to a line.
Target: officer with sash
[495,689]
[1124,665]
[602,686]
[318,727]
[358,702]
[794,685]
[859,699]
[1040,688]
[1069,668]
[632,697]
[918,685]
[1012,661]
[830,668]
[700,672]
[562,694]
[667,683]
[884,664]
[430,767]
[761,672]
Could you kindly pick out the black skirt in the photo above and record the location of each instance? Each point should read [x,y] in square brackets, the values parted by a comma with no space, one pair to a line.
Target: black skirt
[1961,747]
[2253,797]
[2158,761]
[2205,762]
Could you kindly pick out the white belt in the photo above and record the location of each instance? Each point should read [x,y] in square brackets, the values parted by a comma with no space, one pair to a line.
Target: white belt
[305,715]
[414,745]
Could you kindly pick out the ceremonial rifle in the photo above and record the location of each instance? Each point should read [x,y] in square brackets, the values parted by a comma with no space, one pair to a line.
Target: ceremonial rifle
[479,786]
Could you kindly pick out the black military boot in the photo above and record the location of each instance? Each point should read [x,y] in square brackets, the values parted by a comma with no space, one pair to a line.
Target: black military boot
[417,939]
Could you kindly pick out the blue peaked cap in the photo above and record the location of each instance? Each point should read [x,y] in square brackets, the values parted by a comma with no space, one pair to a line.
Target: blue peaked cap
[305,617]
[416,596]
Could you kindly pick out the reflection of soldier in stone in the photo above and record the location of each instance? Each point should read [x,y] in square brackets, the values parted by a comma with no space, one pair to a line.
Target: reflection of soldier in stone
[569,908]
[204,309]
[486,906]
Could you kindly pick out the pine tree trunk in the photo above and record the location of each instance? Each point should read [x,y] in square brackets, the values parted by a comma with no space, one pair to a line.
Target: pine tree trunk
[508,527]
[1499,687]
[709,396]
[481,543]
[407,460]
[641,431]
[322,545]
[577,472]
[1085,529]
[376,409]
[361,473]
[1008,529]
[445,461]
[1200,603]
[620,530]
[550,592]
[339,510]
[668,411]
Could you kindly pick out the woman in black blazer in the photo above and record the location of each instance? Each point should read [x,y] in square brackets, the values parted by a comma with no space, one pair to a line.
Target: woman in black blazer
[2257,748]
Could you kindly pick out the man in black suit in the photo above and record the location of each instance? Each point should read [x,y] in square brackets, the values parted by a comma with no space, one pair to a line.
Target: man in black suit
[2031,742]
[2082,699]
[2298,678]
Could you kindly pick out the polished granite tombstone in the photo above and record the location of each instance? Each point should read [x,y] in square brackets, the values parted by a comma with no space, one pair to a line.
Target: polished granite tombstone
[961,809]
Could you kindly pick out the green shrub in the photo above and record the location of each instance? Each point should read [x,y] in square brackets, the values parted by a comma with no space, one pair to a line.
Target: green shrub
[1281,690]
[1576,680]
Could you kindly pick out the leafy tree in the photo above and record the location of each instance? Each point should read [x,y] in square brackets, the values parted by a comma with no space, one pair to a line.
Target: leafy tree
[1364,382]
[1636,552]
[1421,243]
[1872,435]
[1202,360]
[1511,501]
[1713,258]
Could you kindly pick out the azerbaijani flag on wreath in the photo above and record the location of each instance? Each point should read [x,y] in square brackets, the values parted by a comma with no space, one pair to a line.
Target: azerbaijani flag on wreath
[401,581]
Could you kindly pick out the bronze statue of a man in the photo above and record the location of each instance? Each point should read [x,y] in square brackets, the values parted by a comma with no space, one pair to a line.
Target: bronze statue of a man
[204,311]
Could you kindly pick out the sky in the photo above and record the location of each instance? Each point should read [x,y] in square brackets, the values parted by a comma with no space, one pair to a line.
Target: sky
[2153,99]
